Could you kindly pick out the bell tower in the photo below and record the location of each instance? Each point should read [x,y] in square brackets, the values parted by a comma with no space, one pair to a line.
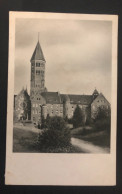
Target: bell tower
[37,84]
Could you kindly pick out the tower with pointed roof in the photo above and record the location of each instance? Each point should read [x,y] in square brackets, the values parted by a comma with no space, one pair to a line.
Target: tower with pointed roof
[95,93]
[37,84]
[42,103]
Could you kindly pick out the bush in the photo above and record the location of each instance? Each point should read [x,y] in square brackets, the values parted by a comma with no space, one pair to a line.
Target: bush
[57,135]
[70,120]
[103,113]
[39,126]
[88,121]
[103,120]
[47,120]
[103,124]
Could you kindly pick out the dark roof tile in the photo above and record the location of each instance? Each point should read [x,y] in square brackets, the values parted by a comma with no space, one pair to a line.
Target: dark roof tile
[52,97]
[38,54]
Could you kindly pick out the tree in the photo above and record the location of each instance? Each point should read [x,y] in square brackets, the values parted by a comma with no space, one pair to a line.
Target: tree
[57,135]
[103,119]
[103,113]
[43,122]
[47,120]
[66,119]
[77,117]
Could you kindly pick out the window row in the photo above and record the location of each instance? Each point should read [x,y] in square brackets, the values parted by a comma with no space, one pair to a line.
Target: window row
[35,105]
[37,64]
[38,72]
[36,112]
[101,101]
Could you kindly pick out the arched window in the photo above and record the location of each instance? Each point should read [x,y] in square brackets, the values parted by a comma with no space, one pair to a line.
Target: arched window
[37,64]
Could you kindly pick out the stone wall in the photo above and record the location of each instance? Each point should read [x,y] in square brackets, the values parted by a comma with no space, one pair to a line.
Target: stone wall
[22,106]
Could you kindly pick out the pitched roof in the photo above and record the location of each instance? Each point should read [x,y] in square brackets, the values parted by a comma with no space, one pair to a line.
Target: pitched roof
[99,96]
[38,54]
[95,92]
[80,99]
[23,93]
[57,98]
[52,97]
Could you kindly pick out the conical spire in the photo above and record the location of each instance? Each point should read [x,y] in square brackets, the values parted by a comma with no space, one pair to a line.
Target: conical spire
[38,54]
[95,92]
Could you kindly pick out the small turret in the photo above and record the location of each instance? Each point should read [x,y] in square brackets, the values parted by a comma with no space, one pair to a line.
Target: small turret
[95,93]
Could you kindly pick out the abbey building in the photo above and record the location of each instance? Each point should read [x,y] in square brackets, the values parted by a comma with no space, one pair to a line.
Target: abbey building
[41,102]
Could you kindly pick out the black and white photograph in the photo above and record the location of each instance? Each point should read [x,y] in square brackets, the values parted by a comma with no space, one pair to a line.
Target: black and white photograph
[62,99]
[62,92]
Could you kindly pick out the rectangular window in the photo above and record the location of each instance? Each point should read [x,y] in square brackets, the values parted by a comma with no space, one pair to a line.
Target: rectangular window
[37,64]
[33,105]
[37,72]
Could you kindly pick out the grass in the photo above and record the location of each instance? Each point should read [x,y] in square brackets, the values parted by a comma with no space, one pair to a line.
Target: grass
[25,141]
[100,138]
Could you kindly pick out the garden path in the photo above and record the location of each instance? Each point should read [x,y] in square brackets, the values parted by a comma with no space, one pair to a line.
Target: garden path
[88,147]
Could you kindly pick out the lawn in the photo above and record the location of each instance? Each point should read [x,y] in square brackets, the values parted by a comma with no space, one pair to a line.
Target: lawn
[24,141]
[100,138]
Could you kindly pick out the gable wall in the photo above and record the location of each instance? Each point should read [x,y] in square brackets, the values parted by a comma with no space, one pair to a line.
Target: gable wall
[100,101]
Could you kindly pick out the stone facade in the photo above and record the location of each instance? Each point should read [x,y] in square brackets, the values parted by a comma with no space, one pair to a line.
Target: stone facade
[99,102]
[41,102]
[22,109]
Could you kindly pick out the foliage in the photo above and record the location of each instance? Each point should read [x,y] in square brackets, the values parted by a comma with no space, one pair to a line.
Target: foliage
[70,120]
[56,123]
[103,119]
[43,122]
[77,117]
[103,113]
[39,127]
[88,121]
[47,120]
[103,124]
[66,119]
[57,135]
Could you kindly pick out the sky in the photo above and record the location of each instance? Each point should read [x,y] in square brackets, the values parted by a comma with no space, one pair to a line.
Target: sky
[78,54]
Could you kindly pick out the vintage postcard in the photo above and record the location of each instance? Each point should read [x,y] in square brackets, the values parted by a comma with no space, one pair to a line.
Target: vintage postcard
[62,99]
